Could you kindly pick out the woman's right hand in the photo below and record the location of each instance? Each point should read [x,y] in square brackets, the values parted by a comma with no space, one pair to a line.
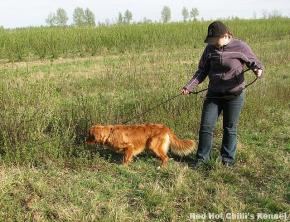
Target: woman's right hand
[184,91]
[258,72]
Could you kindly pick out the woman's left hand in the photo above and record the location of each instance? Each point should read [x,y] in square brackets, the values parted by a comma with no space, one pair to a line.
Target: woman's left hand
[258,72]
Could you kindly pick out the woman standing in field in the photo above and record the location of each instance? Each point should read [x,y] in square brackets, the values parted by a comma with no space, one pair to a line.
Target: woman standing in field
[222,61]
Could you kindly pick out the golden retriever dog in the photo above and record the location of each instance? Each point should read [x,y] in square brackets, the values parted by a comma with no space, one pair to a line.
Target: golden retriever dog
[133,139]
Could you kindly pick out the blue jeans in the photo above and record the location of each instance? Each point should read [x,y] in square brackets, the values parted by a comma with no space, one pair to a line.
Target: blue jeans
[212,107]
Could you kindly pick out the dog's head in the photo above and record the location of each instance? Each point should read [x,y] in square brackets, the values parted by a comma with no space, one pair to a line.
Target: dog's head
[98,134]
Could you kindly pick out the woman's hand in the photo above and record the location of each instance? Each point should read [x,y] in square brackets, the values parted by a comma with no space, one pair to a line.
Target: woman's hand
[184,91]
[258,72]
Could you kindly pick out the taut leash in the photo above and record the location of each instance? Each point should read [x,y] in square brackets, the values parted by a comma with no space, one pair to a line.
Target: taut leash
[175,96]
[230,96]
[148,110]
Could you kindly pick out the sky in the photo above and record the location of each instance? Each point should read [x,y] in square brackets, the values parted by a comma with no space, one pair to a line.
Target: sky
[20,13]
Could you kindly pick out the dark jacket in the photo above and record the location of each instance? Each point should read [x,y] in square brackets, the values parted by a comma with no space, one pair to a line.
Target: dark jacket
[224,67]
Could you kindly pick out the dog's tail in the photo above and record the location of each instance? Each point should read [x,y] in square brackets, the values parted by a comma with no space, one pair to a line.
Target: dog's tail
[181,147]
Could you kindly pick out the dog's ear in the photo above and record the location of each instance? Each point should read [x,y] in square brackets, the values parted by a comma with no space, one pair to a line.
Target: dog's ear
[90,139]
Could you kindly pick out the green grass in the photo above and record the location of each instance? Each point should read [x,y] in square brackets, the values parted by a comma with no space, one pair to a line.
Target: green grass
[24,44]
[46,107]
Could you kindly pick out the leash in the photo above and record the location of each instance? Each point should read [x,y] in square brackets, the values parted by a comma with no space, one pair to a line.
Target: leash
[148,110]
[179,94]
[230,96]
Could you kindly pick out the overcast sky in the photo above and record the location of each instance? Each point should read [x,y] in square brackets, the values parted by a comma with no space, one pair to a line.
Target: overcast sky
[19,13]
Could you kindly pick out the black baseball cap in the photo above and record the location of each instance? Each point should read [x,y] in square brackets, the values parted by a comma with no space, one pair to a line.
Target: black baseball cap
[216,29]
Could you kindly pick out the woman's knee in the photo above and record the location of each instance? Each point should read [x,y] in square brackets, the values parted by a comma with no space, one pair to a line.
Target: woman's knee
[207,128]
[230,128]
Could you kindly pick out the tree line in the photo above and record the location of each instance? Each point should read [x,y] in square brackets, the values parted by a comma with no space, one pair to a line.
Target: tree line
[85,17]
[81,17]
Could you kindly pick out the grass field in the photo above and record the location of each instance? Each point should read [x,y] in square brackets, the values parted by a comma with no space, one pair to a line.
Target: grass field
[48,101]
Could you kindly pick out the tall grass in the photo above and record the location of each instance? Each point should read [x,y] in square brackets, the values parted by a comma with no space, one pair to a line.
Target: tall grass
[46,109]
[47,42]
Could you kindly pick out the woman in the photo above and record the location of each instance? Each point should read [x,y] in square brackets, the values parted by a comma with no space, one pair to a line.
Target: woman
[222,61]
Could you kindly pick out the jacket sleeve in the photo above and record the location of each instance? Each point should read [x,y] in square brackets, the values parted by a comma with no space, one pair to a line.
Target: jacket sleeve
[200,74]
[254,63]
